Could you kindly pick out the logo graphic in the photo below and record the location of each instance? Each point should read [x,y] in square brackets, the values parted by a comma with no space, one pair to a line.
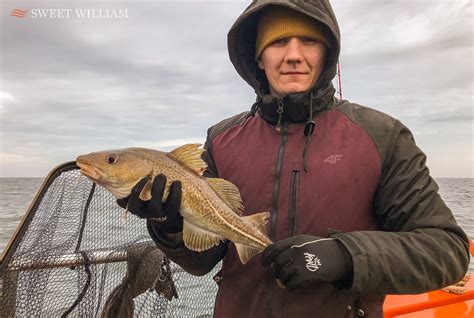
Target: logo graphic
[313,263]
[19,13]
[70,13]
[333,159]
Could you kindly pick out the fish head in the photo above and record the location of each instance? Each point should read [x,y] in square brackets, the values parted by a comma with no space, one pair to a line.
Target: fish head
[116,170]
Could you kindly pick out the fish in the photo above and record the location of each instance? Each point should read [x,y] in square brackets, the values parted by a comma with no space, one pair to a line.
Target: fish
[211,207]
[147,270]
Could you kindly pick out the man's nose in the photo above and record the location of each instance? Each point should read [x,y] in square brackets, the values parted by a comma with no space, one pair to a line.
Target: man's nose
[293,51]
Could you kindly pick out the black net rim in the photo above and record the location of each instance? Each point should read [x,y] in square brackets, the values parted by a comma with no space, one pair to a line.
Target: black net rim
[15,239]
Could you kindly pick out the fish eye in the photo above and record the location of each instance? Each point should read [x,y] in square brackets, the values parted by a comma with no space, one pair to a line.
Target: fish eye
[112,158]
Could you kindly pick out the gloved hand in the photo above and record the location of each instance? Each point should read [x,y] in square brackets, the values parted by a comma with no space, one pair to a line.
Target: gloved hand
[164,217]
[303,260]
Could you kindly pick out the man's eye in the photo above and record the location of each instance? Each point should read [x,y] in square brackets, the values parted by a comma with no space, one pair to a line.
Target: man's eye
[279,42]
[309,41]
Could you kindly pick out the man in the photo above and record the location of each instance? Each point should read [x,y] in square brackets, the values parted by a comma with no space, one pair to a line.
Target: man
[354,212]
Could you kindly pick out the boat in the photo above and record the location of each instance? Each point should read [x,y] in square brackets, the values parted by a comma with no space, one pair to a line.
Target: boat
[72,255]
[434,304]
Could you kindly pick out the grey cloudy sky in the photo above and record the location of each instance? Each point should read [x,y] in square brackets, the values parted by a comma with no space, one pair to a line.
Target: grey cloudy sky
[160,77]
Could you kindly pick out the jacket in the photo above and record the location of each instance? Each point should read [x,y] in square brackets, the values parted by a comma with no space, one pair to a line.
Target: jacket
[334,169]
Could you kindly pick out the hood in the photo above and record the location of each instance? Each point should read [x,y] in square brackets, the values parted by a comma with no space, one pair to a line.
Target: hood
[241,46]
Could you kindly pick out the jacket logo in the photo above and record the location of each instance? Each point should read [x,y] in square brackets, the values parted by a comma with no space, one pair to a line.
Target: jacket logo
[313,263]
[333,159]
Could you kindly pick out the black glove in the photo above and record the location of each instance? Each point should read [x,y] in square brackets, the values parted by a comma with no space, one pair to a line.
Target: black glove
[304,260]
[164,217]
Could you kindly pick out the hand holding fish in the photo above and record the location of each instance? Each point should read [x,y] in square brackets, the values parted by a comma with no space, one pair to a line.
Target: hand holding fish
[164,216]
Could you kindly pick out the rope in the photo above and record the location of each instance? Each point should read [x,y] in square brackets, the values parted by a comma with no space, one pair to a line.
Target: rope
[87,263]
[458,288]
[83,225]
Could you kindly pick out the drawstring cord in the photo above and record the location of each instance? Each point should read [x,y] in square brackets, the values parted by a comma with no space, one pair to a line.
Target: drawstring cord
[308,131]
[254,108]
[252,112]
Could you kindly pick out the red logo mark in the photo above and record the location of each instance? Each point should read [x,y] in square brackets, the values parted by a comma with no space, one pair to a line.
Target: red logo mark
[19,13]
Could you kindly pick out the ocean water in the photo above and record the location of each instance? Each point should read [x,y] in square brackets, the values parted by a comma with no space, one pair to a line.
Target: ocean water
[16,194]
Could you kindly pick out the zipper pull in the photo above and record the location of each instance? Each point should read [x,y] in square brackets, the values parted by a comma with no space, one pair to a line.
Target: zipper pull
[280,113]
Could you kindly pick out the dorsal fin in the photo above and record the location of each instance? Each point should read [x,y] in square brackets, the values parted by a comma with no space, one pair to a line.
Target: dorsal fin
[228,192]
[190,155]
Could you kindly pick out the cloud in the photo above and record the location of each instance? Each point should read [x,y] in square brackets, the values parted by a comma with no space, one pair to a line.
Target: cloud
[162,76]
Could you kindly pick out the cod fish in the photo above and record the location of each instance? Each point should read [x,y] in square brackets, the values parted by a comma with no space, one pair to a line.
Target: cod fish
[147,270]
[211,207]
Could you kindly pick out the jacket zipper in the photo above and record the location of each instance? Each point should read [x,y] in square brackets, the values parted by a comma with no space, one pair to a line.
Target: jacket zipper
[293,202]
[276,186]
[275,197]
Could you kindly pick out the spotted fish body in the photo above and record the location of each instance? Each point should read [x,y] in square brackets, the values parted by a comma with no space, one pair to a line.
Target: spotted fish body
[211,207]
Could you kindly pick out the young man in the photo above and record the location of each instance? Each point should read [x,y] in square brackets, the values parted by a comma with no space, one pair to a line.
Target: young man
[354,212]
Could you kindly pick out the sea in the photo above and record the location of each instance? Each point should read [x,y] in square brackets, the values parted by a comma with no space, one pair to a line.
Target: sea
[16,194]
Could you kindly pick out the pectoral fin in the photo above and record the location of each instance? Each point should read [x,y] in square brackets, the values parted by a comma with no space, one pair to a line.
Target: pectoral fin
[197,239]
[145,194]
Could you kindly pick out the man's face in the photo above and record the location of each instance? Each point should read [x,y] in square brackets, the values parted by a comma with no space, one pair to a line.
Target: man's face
[292,65]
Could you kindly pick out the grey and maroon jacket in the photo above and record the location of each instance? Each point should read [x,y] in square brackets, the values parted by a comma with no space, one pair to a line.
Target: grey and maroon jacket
[333,169]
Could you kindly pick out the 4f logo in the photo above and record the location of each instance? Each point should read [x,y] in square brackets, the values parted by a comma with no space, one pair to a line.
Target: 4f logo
[313,263]
[333,159]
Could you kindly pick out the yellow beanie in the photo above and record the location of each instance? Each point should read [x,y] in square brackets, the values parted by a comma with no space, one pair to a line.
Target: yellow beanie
[278,22]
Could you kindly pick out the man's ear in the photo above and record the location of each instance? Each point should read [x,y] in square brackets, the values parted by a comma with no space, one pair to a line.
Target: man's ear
[260,64]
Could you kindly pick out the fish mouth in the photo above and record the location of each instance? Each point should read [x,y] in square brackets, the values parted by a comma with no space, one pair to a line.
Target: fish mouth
[88,170]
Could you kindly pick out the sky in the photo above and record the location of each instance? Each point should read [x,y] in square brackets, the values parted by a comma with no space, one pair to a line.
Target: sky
[160,76]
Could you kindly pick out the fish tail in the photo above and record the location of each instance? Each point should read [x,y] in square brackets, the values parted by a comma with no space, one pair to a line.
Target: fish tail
[259,220]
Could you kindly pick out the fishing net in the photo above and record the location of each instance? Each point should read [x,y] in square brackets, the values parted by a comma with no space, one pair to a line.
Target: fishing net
[74,255]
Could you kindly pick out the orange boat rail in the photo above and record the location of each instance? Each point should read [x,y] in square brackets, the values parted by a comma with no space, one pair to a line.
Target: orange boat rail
[435,304]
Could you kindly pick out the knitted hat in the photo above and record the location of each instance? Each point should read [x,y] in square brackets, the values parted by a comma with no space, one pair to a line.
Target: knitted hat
[278,22]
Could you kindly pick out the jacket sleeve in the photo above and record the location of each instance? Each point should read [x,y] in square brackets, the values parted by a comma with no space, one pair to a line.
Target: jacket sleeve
[420,247]
[196,263]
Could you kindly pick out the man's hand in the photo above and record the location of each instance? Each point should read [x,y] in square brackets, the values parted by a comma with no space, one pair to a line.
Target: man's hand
[164,216]
[304,260]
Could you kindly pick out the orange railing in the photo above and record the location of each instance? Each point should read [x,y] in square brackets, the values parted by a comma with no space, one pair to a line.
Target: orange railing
[435,304]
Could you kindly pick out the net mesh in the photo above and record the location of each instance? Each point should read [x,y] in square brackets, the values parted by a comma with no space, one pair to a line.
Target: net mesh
[72,253]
